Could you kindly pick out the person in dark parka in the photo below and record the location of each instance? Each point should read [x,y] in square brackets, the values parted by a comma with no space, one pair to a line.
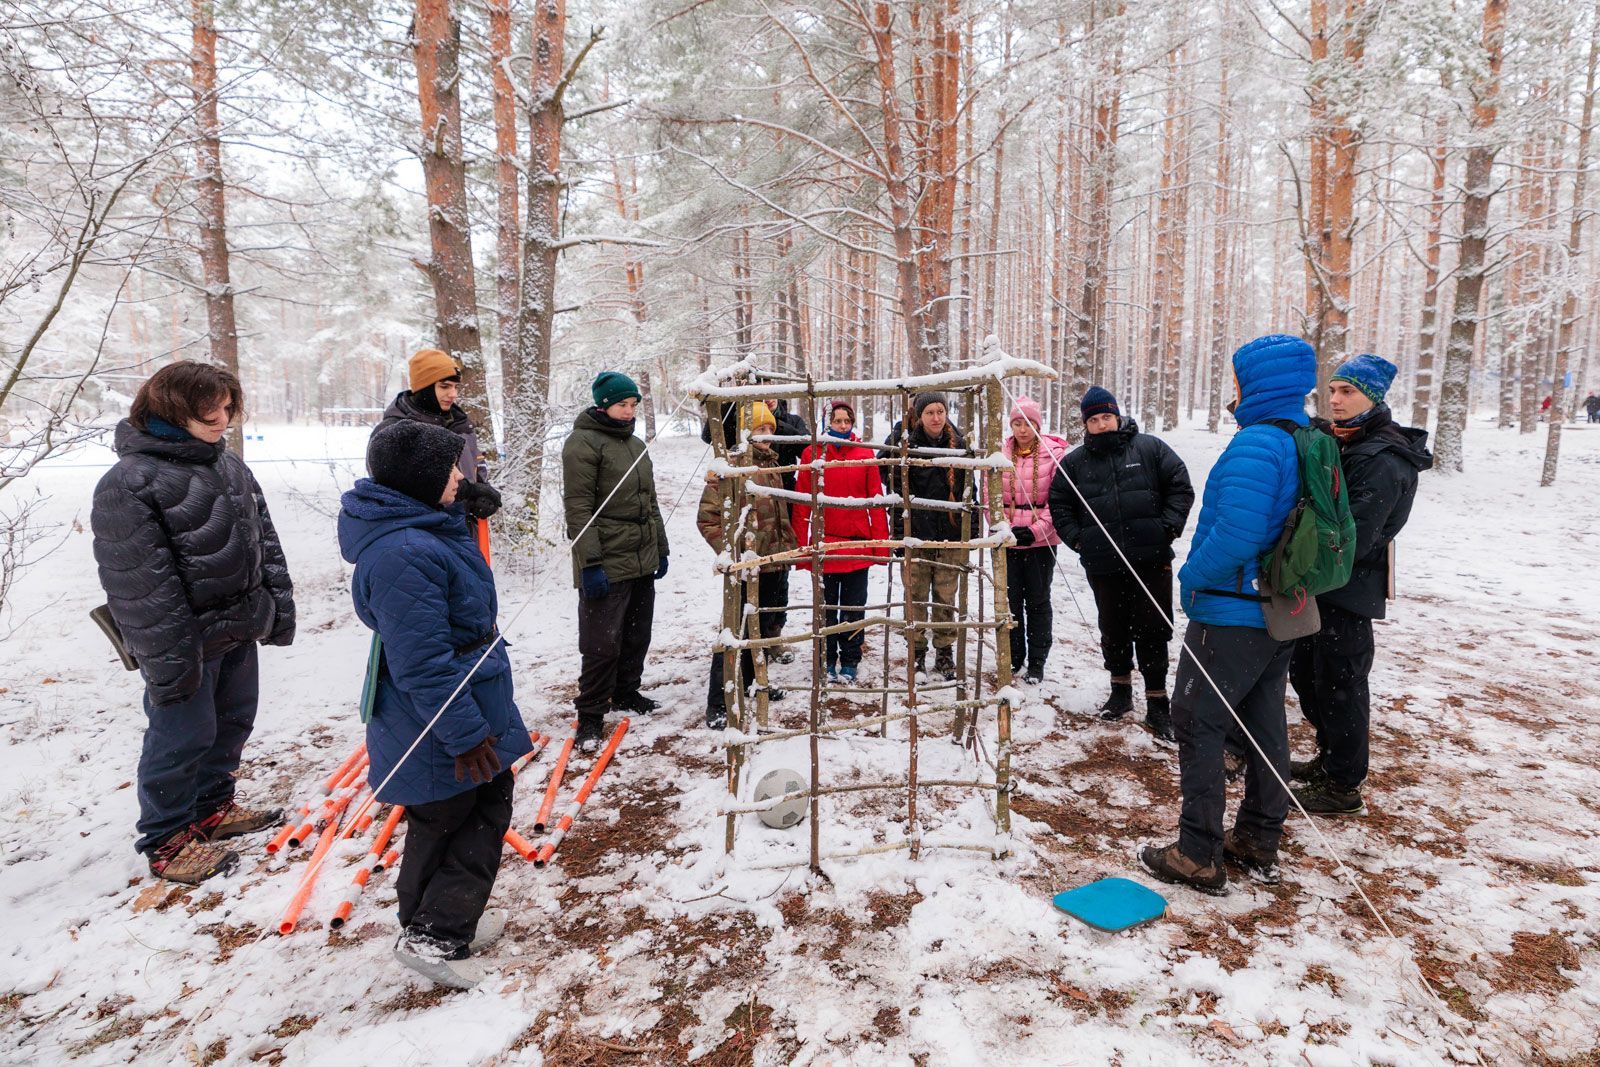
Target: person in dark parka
[1139,489]
[619,552]
[1329,669]
[1252,488]
[422,586]
[195,578]
[933,575]
[434,399]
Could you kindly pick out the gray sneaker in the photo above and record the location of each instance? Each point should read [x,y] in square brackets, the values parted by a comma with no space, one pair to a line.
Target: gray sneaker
[490,926]
[432,959]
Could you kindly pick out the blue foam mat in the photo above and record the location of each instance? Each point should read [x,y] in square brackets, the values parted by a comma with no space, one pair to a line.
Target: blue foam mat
[1112,904]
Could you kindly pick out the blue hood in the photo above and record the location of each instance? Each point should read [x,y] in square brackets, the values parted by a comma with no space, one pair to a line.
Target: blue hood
[1275,373]
[369,510]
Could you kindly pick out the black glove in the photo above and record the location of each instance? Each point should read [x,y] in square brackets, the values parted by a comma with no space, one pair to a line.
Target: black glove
[661,571]
[1023,535]
[478,763]
[481,499]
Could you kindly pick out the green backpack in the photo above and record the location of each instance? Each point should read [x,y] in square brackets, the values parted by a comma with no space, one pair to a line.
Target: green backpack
[1318,546]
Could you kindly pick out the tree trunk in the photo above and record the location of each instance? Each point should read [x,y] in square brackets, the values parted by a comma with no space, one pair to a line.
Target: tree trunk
[1339,229]
[436,43]
[1428,341]
[1478,188]
[1569,304]
[1219,258]
[222,330]
[527,408]
[508,233]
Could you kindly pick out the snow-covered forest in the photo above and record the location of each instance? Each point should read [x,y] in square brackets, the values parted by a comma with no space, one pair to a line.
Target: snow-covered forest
[1125,191]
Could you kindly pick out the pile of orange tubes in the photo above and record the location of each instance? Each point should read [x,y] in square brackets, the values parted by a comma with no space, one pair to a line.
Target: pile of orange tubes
[345,808]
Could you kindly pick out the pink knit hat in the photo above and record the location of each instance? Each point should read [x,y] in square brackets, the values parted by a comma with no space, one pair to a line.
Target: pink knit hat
[1027,408]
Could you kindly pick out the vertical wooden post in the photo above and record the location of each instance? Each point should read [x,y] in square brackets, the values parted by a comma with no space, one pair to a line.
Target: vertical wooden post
[1002,613]
[817,599]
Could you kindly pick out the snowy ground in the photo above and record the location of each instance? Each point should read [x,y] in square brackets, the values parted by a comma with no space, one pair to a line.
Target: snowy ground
[642,943]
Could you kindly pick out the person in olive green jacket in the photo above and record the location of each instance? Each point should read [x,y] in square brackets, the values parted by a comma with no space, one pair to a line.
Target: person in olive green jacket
[619,552]
[762,528]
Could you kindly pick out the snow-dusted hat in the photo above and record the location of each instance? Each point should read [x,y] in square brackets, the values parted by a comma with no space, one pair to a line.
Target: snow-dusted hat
[414,458]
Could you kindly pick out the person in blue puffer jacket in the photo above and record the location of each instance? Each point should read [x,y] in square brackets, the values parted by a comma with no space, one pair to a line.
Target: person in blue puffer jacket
[421,584]
[1249,494]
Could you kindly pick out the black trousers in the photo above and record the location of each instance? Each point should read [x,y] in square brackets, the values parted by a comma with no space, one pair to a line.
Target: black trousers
[845,587]
[1329,673]
[451,858]
[1251,669]
[614,638]
[192,747]
[774,594]
[1130,624]
[1029,573]
[772,590]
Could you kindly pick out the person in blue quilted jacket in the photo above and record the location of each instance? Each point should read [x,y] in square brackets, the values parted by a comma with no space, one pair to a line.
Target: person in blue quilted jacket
[1253,486]
[444,729]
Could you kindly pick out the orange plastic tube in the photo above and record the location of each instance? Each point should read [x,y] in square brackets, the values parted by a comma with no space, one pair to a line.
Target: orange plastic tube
[335,778]
[373,862]
[389,861]
[556,775]
[297,903]
[567,817]
[337,802]
[293,833]
[539,742]
[520,845]
[483,541]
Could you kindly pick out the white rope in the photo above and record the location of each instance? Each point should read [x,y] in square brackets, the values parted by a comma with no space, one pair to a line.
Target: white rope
[1316,830]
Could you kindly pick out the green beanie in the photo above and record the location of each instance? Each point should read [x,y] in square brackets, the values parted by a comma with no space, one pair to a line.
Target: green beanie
[613,387]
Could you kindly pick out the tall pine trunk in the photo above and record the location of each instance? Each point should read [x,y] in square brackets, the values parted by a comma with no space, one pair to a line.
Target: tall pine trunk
[508,222]
[1428,342]
[436,44]
[1571,277]
[1479,190]
[222,331]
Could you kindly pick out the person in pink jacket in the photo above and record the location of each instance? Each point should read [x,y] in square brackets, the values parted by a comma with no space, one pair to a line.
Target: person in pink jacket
[1025,489]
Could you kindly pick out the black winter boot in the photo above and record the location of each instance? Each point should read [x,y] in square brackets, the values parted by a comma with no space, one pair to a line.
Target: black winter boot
[1119,703]
[1158,717]
[716,718]
[921,664]
[944,662]
[1307,770]
[1322,797]
[591,734]
[639,704]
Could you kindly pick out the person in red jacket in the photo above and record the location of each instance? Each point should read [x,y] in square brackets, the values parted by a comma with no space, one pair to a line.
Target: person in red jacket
[844,580]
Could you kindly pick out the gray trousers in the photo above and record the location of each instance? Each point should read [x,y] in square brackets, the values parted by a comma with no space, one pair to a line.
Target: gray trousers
[1251,669]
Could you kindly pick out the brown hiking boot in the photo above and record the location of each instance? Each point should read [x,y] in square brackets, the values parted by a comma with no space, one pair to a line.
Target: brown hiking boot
[187,857]
[231,820]
[1258,863]
[1171,865]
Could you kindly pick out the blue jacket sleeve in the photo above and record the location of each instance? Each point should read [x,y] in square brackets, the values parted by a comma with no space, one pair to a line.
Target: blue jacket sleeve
[1247,480]
[406,595]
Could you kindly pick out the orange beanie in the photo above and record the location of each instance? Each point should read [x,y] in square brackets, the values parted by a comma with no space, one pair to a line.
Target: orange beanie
[431,365]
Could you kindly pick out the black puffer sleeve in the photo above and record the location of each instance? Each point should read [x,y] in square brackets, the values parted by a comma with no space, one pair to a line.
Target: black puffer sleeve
[274,572]
[143,589]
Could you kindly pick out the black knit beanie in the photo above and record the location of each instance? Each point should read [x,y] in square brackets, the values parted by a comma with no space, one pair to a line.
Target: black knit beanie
[922,400]
[414,458]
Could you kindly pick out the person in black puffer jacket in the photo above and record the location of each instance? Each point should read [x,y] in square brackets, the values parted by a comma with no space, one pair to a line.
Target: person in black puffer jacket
[933,575]
[1329,669]
[195,578]
[1140,490]
[435,379]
